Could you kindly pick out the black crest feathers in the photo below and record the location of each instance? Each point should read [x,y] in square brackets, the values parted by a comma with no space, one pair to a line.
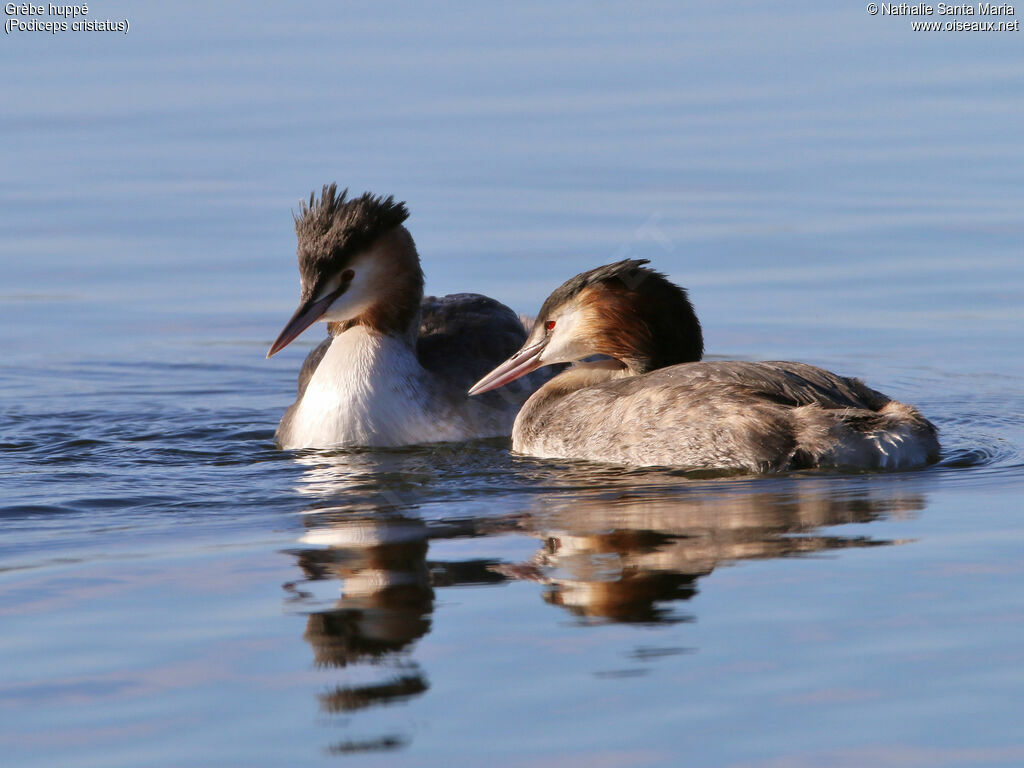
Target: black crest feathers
[628,272]
[646,320]
[333,228]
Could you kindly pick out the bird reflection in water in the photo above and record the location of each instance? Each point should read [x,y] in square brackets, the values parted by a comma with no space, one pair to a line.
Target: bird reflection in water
[629,559]
[630,552]
[385,606]
[378,553]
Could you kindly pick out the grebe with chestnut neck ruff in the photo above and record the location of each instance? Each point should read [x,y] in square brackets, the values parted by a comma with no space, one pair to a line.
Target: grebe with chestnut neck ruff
[395,367]
[652,401]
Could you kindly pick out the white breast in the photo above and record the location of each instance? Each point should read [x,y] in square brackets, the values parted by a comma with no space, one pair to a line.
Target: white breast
[369,390]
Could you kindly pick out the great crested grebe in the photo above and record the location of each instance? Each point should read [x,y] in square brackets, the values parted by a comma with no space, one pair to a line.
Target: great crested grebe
[654,403]
[395,367]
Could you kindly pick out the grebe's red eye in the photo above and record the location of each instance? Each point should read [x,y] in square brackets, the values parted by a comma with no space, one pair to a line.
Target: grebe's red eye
[549,325]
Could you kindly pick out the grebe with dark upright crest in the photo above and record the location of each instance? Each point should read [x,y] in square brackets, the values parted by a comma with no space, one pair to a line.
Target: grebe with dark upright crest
[654,403]
[396,366]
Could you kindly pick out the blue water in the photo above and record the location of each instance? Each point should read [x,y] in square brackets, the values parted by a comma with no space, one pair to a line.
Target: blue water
[830,186]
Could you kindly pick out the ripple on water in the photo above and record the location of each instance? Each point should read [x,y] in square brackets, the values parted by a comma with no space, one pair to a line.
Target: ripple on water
[31,510]
[981,438]
[104,454]
[979,456]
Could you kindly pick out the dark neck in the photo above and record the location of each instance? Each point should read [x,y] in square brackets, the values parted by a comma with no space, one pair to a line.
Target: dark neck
[647,327]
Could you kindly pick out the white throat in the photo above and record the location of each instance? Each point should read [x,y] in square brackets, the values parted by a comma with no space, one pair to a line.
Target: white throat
[369,390]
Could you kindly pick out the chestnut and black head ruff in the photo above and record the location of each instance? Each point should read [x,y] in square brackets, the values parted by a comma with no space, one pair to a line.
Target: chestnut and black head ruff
[659,322]
[333,229]
[629,273]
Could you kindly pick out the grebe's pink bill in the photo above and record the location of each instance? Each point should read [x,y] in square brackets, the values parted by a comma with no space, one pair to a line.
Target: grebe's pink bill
[651,401]
[395,367]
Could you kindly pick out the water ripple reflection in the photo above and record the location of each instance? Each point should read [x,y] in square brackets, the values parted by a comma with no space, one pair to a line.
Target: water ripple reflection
[611,548]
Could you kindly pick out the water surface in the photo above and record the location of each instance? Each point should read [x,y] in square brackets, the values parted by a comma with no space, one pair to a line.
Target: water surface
[830,186]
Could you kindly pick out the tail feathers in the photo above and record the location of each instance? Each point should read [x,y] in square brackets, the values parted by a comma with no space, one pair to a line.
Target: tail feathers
[896,436]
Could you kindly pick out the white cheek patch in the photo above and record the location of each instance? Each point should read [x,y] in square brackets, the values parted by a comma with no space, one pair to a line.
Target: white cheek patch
[359,296]
[330,287]
[352,303]
[565,345]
